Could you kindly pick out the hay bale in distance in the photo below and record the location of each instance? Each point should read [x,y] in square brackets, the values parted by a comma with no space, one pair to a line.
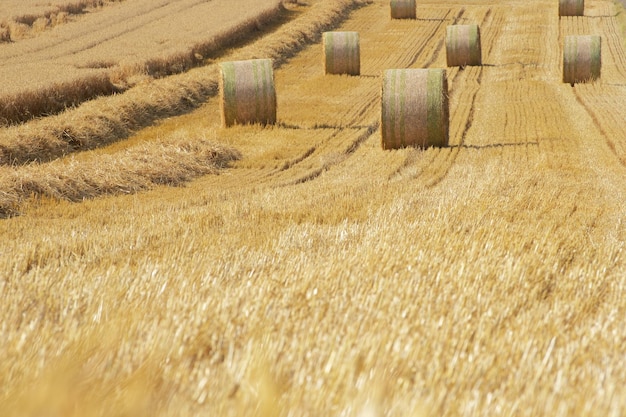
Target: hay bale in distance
[582,58]
[463,45]
[342,53]
[247,92]
[414,108]
[403,9]
[571,7]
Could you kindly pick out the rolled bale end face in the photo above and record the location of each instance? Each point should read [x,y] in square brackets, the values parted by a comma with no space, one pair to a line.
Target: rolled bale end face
[247,92]
[571,7]
[582,59]
[403,9]
[342,53]
[463,46]
[414,109]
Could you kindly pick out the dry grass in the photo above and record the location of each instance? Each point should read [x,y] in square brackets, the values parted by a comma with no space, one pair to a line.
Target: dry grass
[321,275]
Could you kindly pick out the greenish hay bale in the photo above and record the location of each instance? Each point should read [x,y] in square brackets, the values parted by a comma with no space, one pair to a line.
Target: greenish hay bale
[463,45]
[414,108]
[342,53]
[247,92]
[571,7]
[403,9]
[582,58]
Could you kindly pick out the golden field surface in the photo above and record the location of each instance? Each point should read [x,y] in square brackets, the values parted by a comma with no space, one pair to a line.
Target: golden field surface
[171,267]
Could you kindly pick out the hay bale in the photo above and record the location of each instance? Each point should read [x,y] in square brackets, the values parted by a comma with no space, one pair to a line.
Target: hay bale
[342,53]
[463,45]
[414,108]
[247,92]
[582,60]
[403,9]
[571,7]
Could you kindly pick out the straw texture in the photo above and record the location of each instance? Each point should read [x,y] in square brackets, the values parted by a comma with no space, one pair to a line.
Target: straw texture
[414,108]
[247,92]
[403,9]
[463,45]
[582,58]
[342,53]
[571,7]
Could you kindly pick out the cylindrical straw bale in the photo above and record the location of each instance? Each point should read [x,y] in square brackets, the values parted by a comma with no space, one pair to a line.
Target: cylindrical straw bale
[582,60]
[571,7]
[414,108]
[463,45]
[403,9]
[342,54]
[247,92]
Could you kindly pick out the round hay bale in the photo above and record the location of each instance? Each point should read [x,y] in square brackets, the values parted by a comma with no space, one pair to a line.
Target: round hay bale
[247,92]
[571,7]
[342,53]
[414,108]
[403,9]
[463,45]
[582,59]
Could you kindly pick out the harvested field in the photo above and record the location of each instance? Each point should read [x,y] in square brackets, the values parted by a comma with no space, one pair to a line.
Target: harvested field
[299,268]
[124,42]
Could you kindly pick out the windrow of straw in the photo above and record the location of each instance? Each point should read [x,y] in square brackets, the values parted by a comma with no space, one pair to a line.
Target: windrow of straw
[171,161]
[109,119]
[403,9]
[22,107]
[463,45]
[571,7]
[247,92]
[582,58]
[342,54]
[414,108]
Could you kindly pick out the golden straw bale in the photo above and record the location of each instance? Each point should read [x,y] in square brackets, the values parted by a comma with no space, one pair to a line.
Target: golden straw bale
[582,58]
[342,53]
[403,9]
[414,108]
[247,92]
[571,7]
[463,45]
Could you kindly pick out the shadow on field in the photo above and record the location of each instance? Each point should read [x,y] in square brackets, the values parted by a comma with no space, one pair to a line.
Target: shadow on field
[495,145]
